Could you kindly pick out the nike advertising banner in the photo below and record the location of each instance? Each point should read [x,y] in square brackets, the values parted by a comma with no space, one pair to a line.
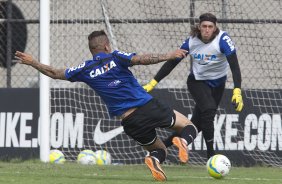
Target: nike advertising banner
[19,112]
[79,120]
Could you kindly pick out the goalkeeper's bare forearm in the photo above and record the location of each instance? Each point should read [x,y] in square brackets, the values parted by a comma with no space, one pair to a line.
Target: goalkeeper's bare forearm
[50,71]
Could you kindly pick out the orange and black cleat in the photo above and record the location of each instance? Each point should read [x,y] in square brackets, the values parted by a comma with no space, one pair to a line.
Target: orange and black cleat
[155,168]
[182,149]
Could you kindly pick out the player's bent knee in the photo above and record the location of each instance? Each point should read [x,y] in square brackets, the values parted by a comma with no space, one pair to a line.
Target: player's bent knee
[180,122]
[181,119]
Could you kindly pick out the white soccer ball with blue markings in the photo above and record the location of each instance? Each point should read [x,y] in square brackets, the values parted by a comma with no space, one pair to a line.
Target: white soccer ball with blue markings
[57,157]
[218,166]
[103,157]
[86,157]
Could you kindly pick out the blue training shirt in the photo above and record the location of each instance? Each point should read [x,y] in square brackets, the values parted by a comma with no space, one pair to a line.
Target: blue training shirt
[109,76]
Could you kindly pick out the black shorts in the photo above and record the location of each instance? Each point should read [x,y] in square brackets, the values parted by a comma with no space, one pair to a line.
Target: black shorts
[142,123]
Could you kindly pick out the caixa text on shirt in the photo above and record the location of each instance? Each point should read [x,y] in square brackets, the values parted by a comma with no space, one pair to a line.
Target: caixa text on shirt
[96,71]
[101,70]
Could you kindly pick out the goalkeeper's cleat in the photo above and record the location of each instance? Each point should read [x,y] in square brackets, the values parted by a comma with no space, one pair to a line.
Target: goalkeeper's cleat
[155,168]
[182,149]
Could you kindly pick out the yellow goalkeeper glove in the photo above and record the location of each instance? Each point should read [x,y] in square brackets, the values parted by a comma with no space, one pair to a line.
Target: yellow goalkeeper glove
[237,99]
[150,86]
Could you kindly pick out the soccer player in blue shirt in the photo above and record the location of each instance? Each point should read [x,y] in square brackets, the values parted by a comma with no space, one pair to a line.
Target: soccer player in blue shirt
[107,73]
[211,51]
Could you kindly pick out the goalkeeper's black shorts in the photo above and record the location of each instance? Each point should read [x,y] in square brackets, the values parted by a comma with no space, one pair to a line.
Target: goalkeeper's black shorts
[142,123]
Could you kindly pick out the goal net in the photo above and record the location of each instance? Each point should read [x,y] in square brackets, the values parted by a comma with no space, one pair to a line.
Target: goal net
[80,120]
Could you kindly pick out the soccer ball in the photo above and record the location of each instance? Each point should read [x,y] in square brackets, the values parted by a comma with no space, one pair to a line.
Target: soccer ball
[218,166]
[103,157]
[57,157]
[86,157]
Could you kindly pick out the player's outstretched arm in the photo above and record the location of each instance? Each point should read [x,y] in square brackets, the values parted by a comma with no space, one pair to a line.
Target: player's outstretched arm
[147,59]
[50,71]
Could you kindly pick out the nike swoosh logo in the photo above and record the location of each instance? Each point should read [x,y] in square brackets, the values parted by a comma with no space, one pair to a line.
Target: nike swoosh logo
[103,137]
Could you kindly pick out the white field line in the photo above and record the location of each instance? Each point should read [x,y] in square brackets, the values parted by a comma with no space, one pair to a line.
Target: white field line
[231,178]
[175,176]
[203,178]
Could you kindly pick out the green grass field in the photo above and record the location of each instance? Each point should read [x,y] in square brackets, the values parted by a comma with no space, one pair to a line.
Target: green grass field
[30,172]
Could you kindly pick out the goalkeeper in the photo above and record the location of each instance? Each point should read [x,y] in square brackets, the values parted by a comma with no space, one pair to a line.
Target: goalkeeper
[211,51]
[107,73]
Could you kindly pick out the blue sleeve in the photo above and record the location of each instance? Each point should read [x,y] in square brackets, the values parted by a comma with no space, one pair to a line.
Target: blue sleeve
[124,58]
[72,74]
[226,45]
[185,45]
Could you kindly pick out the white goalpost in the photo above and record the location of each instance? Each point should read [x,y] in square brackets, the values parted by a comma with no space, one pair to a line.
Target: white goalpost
[44,81]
